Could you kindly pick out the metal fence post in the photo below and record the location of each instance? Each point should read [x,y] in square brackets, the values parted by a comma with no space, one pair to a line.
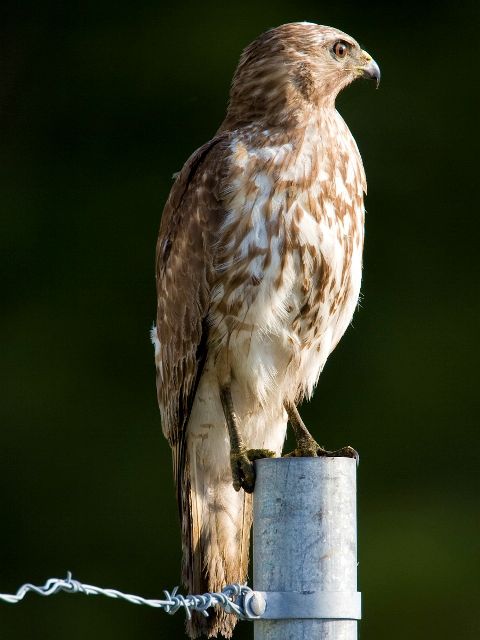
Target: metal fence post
[305,548]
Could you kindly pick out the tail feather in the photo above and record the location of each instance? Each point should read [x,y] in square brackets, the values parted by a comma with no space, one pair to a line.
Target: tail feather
[216,524]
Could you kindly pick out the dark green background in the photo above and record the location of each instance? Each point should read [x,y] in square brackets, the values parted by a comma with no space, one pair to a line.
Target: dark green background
[100,104]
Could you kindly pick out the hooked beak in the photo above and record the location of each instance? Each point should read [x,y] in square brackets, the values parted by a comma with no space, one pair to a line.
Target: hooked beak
[370,69]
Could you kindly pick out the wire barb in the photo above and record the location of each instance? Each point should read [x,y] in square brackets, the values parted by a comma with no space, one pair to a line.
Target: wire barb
[233,598]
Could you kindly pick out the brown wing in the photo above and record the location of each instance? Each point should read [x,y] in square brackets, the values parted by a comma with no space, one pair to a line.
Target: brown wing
[184,273]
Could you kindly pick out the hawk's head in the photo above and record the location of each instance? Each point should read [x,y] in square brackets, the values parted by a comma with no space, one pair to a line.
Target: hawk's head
[294,67]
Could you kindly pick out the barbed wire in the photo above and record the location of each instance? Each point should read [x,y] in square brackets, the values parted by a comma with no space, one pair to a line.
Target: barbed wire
[234,598]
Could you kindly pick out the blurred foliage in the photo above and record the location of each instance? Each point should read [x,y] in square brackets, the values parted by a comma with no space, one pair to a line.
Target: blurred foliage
[99,104]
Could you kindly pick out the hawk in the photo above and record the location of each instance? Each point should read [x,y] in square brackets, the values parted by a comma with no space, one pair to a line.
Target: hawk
[258,270]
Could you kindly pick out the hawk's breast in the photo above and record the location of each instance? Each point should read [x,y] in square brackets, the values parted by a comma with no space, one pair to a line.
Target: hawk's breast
[290,256]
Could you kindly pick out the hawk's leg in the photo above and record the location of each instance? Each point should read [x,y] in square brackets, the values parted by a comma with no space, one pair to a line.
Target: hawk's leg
[241,458]
[308,447]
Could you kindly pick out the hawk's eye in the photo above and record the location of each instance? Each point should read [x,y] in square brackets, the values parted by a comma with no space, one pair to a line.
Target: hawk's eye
[340,49]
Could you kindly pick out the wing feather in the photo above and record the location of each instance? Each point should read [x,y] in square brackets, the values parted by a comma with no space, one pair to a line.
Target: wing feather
[184,275]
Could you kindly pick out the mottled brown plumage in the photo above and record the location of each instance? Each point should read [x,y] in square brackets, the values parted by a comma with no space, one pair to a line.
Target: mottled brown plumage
[258,275]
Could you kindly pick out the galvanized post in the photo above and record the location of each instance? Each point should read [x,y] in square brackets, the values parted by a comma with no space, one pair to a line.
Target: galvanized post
[305,549]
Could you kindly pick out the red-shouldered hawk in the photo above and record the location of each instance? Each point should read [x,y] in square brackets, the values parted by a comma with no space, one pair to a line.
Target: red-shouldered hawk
[259,262]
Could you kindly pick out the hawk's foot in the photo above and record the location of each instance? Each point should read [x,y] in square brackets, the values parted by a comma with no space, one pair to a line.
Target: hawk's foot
[243,472]
[309,448]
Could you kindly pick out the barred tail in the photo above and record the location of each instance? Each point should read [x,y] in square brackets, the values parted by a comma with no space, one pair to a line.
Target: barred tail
[216,522]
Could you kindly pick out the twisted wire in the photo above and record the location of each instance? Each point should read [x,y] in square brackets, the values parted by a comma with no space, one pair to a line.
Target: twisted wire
[234,598]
